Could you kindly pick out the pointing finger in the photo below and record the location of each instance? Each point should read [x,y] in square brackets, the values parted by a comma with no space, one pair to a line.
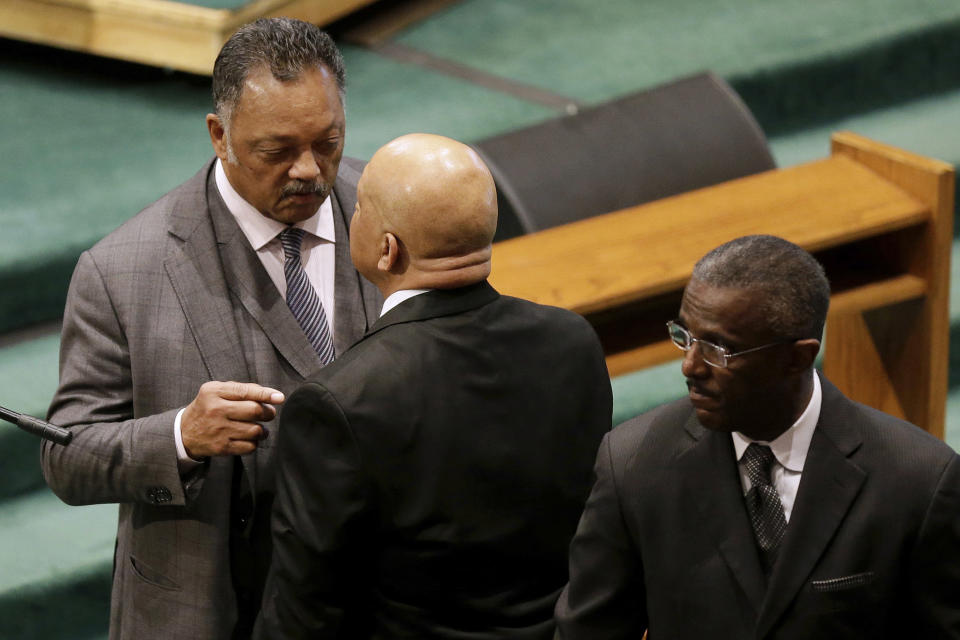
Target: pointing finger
[250,391]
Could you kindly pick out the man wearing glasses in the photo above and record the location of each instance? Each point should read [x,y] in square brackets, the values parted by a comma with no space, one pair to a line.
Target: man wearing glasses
[765,504]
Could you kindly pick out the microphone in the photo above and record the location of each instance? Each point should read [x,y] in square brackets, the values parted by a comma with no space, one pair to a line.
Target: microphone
[37,427]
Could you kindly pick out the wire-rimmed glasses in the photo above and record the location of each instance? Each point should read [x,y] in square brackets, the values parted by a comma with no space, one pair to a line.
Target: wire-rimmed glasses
[713,354]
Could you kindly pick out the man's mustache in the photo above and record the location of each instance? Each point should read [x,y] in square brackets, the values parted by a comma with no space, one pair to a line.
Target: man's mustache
[302,188]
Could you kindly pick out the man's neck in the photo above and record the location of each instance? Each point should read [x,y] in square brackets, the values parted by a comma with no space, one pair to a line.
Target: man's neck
[797,400]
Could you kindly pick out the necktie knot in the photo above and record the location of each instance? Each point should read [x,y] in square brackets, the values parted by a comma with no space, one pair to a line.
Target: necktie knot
[291,240]
[758,459]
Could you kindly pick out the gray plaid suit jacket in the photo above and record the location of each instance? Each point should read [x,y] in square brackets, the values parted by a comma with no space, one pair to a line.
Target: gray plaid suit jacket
[173,298]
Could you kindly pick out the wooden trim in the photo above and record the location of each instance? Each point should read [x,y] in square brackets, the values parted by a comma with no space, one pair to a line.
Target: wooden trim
[909,346]
[163,10]
[879,294]
[648,355]
[155,32]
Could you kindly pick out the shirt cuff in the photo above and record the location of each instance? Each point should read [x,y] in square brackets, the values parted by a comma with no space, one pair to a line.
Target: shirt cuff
[184,462]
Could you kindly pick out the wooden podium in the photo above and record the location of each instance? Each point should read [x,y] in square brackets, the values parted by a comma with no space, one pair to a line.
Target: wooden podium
[879,219]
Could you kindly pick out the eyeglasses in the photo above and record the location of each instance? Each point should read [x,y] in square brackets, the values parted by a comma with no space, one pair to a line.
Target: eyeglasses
[713,354]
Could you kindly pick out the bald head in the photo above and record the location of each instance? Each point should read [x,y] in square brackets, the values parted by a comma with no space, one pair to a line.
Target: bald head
[435,199]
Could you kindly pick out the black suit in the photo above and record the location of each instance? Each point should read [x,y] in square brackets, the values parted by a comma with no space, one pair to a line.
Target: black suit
[431,478]
[872,549]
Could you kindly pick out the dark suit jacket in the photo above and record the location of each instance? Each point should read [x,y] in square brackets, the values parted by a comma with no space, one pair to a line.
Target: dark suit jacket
[431,479]
[872,549]
[173,298]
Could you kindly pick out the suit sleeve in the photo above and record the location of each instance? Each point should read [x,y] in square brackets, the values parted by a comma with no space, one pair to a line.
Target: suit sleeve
[935,579]
[113,456]
[605,597]
[322,522]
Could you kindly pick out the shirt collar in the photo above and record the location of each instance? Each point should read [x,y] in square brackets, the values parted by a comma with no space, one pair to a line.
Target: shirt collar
[397,297]
[258,228]
[790,447]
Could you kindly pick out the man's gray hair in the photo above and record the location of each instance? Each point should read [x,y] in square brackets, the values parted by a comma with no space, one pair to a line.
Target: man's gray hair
[286,45]
[795,291]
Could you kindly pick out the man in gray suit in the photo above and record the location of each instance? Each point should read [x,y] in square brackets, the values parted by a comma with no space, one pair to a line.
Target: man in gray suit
[765,504]
[242,273]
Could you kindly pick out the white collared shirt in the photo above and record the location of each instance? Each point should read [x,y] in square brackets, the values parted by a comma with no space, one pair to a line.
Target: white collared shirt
[317,254]
[789,448]
[397,297]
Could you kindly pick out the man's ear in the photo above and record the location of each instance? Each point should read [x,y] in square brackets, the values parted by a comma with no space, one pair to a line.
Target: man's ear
[389,252]
[218,136]
[803,354]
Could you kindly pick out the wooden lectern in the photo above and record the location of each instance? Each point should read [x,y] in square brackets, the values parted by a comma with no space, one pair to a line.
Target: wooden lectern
[879,219]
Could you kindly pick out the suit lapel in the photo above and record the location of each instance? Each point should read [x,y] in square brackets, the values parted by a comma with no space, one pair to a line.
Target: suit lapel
[709,472]
[196,274]
[357,302]
[201,273]
[828,487]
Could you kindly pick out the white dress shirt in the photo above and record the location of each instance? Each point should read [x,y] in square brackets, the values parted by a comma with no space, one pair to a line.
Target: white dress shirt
[317,255]
[790,450]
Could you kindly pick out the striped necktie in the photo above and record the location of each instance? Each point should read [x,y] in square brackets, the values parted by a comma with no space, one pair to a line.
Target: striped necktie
[763,504]
[302,298]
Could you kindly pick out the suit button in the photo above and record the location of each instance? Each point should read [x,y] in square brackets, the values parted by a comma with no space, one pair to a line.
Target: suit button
[159,495]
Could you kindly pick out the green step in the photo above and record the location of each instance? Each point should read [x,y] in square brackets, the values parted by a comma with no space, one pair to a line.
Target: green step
[74,609]
[56,567]
[28,380]
[926,126]
[793,62]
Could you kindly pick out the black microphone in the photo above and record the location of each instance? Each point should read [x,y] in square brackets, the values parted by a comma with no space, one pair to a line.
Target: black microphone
[37,427]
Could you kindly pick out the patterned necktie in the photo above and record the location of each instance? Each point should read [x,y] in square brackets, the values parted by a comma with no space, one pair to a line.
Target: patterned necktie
[302,298]
[763,504]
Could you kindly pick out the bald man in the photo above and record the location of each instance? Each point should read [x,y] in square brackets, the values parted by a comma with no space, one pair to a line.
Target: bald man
[431,478]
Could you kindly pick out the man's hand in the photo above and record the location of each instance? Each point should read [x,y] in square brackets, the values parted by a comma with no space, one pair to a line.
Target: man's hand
[222,419]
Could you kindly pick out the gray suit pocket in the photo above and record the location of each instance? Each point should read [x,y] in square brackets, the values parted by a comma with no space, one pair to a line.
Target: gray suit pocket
[151,576]
[842,583]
